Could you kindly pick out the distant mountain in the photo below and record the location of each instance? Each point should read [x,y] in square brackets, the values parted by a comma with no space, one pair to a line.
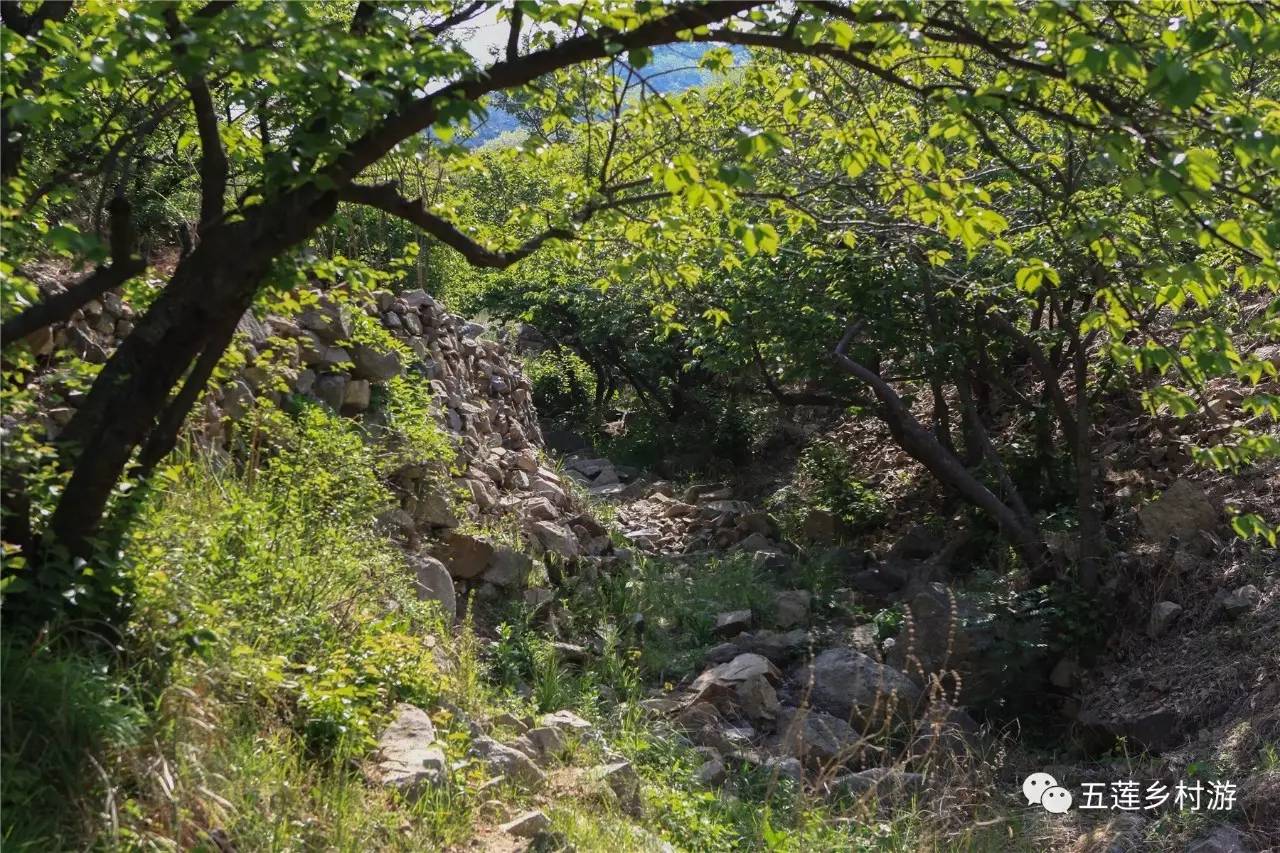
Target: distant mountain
[674,68]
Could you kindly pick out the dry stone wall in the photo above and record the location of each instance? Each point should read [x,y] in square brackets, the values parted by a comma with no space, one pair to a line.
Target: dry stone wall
[480,517]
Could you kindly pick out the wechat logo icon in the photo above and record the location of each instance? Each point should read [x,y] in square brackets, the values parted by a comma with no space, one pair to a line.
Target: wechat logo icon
[1043,789]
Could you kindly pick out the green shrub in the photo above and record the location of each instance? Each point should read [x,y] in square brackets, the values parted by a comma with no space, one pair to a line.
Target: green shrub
[564,385]
[824,479]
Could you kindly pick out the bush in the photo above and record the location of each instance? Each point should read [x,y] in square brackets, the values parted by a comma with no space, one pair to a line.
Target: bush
[824,479]
[564,386]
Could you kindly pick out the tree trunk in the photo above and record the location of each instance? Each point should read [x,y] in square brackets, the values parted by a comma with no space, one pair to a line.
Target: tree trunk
[924,447]
[209,291]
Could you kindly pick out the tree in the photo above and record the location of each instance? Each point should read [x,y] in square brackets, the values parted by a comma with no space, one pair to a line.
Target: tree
[289,106]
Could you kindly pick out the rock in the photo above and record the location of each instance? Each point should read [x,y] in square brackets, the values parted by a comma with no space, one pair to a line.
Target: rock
[711,774]
[1184,509]
[880,581]
[554,539]
[536,597]
[331,389]
[1162,616]
[572,653]
[356,395]
[547,741]
[919,543]
[1065,674]
[849,684]
[785,768]
[1154,731]
[433,510]
[466,556]
[507,763]
[622,779]
[508,567]
[1241,601]
[237,399]
[527,825]
[780,647]
[791,608]
[731,623]
[821,527]
[329,322]
[1221,839]
[879,783]
[816,738]
[435,584]
[745,683]
[567,721]
[945,731]
[408,758]
[371,364]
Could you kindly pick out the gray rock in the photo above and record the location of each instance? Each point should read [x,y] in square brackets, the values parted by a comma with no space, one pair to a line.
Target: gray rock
[237,399]
[622,779]
[508,763]
[711,774]
[371,364]
[732,623]
[527,825]
[1162,616]
[567,721]
[508,567]
[849,684]
[331,389]
[816,738]
[407,755]
[433,510]
[1183,510]
[356,396]
[881,783]
[785,768]
[744,684]
[791,608]
[435,584]
[554,539]
[547,741]
[466,556]
[1240,601]
[329,322]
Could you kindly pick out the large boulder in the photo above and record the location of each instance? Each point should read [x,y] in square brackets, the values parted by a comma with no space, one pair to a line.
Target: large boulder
[744,684]
[851,685]
[508,568]
[408,757]
[466,556]
[371,364]
[815,738]
[435,584]
[1183,510]
[554,539]
[508,763]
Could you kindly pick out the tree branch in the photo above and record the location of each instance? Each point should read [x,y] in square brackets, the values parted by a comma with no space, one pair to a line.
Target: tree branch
[213,159]
[421,113]
[386,197]
[513,37]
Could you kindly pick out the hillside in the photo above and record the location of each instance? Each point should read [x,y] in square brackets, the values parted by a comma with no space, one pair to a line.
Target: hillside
[627,426]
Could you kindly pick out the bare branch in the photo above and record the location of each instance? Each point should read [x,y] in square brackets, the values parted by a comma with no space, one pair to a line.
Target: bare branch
[513,38]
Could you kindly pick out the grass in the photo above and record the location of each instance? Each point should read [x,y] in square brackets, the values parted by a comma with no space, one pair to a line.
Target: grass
[274,630]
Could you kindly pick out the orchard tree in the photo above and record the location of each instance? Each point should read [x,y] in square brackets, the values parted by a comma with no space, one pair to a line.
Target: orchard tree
[286,111]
